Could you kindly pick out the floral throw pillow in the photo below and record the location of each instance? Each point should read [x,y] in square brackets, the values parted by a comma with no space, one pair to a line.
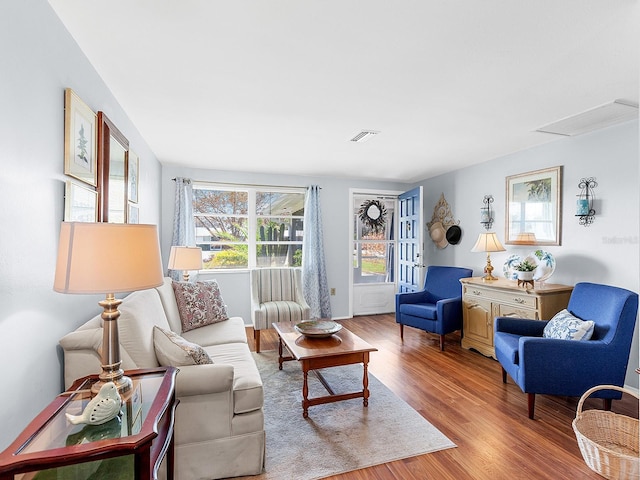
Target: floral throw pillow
[199,304]
[565,326]
[173,350]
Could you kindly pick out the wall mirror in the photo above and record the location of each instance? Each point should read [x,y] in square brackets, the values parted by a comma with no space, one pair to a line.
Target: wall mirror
[533,207]
[113,148]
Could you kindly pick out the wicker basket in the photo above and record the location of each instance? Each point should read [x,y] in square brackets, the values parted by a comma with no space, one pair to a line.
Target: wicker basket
[608,441]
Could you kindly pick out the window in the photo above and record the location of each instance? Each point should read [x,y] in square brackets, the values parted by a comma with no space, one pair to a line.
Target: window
[243,227]
[373,245]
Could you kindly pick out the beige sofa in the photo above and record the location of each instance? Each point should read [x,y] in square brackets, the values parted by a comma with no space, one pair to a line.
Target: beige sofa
[219,428]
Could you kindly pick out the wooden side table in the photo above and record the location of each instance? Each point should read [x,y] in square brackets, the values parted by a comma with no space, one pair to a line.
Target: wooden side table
[133,445]
[482,301]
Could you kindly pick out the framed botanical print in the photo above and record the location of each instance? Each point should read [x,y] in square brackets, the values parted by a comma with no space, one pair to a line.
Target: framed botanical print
[133,165]
[80,203]
[133,214]
[80,139]
[533,205]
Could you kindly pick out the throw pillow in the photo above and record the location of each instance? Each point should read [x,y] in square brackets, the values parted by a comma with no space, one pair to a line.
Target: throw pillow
[199,304]
[173,350]
[565,326]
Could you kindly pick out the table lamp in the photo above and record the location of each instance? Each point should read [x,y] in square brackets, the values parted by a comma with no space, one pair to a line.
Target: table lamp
[185,259]
[488,242]
[108,258]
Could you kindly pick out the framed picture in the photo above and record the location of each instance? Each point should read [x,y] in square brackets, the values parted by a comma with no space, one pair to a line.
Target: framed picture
[80,138]
[533,205]
[133,214]
[80,203]
[133,165]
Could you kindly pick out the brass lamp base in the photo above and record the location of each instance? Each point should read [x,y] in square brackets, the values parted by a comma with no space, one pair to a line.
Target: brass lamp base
[111,371]
[488,269]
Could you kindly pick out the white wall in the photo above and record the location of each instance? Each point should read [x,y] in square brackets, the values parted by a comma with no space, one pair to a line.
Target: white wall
[605,252]
[336,215]
[39,60]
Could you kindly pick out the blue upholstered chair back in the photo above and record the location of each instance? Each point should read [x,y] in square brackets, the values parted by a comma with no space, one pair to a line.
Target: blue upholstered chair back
[612,309]
[444,282]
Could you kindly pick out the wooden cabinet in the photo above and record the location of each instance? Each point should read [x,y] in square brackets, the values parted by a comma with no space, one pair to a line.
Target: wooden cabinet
[482,301]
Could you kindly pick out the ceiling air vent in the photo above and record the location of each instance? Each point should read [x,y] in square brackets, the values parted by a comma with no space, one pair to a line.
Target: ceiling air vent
[364,135]
[593,119]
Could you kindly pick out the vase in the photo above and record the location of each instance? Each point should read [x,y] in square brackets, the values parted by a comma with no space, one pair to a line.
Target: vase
[525,275]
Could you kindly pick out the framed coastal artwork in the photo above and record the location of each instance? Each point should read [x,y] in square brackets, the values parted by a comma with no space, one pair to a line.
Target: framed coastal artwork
[80,202]
[80,139]
[533,205]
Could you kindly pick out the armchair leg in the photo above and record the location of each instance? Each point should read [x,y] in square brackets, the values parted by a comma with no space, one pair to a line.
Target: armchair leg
[606,404]
[531,400]
[442,343]
[256,338]
[504,375]
[401,331]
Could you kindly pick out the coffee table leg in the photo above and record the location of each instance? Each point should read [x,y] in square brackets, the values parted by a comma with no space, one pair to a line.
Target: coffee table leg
[279,353]
[305,390]
[365,381]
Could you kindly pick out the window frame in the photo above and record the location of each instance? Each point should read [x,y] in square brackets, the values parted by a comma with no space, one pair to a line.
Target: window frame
[251,216]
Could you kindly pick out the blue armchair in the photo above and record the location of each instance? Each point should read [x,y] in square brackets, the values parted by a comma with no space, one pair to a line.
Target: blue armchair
[437,308]
[569,367]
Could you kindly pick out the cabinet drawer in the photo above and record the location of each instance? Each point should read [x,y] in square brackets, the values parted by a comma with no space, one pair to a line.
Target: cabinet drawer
[512,298]
[518,312]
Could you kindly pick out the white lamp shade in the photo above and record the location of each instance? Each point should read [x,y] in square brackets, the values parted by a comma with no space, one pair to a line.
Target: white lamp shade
[488,242]
[107,258]
[185,258]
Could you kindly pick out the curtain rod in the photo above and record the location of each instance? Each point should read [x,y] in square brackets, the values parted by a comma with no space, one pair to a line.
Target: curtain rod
[252,184]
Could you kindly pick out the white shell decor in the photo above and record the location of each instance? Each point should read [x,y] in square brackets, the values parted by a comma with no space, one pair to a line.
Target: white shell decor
[102,408]
[544,261]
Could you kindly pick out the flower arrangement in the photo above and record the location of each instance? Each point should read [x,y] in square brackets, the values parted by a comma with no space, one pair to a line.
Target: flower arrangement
[525,266]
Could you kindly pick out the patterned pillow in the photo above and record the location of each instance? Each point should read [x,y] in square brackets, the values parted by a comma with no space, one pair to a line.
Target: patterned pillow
[565,326]
[173,350]
[199,304]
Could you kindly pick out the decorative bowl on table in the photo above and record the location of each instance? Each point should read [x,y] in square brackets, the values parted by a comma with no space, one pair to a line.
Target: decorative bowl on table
[317,328]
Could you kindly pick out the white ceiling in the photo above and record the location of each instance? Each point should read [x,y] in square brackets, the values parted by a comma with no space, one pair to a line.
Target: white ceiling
[281,86]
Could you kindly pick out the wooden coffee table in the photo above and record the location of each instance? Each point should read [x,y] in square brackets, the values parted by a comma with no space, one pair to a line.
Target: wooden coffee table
[342,348]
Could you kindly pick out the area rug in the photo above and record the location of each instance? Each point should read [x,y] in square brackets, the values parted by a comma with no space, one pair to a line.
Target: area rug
[336,437]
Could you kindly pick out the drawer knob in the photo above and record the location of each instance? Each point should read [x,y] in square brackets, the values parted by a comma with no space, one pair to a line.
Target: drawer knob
[476,292]
[518,300]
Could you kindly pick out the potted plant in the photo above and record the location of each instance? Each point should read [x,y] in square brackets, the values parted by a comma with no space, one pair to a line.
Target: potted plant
[525,270]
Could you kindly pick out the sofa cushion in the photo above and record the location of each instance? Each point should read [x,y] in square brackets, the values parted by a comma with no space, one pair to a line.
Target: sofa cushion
[199,304]
[247,384]
[168,298]
[565,326]
[139,313]
[173,350]
[231,331]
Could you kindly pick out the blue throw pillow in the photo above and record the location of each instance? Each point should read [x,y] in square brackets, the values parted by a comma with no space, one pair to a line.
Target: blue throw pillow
[565,326]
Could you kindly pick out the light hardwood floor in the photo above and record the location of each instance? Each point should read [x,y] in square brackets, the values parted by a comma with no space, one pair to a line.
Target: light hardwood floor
[461,393]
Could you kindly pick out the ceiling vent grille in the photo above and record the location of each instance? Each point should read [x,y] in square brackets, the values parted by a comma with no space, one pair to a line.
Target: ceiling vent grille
[593,119]
[364,135]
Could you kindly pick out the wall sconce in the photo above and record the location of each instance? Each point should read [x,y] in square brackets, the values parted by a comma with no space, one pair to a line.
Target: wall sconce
[584,204]
[486,214]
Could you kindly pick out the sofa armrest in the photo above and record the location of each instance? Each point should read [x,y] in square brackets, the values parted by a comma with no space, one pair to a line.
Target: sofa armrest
[204,379]
[89,339]
[520,326]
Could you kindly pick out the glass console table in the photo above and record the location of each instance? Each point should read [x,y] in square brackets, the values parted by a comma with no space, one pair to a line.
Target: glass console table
[132,445]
